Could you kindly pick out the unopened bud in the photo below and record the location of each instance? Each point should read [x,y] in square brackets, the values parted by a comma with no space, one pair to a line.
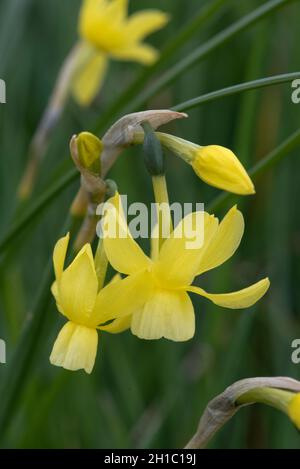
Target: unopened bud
[89,149]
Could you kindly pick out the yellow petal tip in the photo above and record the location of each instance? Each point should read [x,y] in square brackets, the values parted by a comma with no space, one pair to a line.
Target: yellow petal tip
[250,190]
[294,410]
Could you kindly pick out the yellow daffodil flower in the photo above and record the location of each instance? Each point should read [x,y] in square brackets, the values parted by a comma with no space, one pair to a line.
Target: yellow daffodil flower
[107,32]
[169,273]
[214,164]
[78,299]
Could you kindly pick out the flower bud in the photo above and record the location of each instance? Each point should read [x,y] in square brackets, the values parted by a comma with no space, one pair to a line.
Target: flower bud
[89,149]
[216,165]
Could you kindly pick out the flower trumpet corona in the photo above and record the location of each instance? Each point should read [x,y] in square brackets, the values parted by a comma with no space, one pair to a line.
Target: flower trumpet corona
[168,275]
[214,164]
[77,295]
[108,32]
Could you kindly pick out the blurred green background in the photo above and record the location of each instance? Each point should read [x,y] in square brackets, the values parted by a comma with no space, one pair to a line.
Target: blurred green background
[151,394]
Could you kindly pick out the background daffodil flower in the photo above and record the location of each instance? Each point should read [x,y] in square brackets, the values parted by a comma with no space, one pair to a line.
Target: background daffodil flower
[168,276]
[78,299]
[107,32]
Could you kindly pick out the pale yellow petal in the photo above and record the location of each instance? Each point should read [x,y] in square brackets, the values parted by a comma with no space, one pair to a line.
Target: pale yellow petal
[59,255]
[78,287]
[143,23]
[118,325]
[239,299]
[225,241]
[123,298]
[167,314]
[89,78]
[143,53]
[219,167]
[122,251]
[180,255]
[75,348]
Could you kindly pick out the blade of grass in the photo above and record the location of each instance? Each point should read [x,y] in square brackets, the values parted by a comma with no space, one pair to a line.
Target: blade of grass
[231,90]
[246,119]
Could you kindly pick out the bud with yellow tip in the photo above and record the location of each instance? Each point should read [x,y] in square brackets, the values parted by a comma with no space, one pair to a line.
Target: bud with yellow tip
[216,165]
[86,151]
[89,149]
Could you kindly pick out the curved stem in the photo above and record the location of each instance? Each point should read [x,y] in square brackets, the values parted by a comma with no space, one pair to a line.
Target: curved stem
[231,90]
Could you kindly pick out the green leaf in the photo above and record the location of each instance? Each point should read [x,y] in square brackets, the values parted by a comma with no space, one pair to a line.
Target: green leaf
[231,90]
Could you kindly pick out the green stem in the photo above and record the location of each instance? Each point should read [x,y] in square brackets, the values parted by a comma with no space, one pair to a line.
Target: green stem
[164,219]
[231,90]
[160,189]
